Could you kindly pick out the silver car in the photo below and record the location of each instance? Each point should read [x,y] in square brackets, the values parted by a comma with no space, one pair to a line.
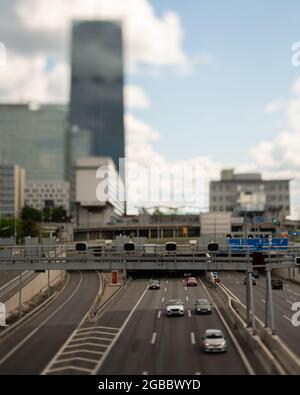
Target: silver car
[214,341]
[175,307]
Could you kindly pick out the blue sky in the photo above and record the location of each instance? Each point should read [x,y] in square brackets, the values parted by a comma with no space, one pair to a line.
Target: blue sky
[219,109]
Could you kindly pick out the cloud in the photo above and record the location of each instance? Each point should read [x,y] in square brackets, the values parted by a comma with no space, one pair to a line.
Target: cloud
[149,39]
[135,97]
[273,107]
[279,158]
[23,79]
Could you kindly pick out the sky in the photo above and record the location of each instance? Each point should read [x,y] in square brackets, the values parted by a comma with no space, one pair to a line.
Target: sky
[208,83]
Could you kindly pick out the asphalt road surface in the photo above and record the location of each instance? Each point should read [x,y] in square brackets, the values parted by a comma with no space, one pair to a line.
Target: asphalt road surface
[149,342]
[282,301]
[29,349]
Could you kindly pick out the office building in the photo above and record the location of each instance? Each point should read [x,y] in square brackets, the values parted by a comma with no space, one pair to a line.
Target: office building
[249,193]
[96,102]
[12,185]
[51,194]
[34,137]
[99,191]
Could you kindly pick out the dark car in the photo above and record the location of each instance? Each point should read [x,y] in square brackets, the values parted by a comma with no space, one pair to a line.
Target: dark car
[255,274]
[191,282]
[253,281]
[202,306]
[277,284]
[154,284]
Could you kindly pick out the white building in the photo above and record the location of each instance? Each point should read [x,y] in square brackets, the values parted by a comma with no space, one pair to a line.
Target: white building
[40,194]
[12,185]
[99,191]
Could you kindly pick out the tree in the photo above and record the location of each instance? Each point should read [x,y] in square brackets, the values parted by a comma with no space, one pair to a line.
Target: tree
[30,213]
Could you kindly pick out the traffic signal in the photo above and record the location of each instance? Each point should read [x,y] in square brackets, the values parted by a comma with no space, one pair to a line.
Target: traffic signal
[274,220]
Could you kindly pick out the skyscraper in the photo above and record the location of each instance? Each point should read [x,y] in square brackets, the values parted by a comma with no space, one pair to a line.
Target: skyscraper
[97,85]
[33,137]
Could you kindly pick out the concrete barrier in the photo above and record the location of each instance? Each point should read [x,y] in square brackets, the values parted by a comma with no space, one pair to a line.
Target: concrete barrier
[282,353]
[260,351]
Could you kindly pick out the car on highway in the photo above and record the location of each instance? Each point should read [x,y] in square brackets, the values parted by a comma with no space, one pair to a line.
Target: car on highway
[191,282]
[202,306]
[253,281]
[175,307]
[154,284]
[256,274]
[214,341]
[276,283]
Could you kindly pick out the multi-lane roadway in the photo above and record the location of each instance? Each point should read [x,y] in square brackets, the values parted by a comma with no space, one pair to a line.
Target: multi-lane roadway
[133,334]
[29,348]
[282,302]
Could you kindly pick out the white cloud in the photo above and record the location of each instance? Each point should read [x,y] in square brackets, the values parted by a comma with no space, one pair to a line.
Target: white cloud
[280,157]
[149,39]
[135,97]
[274,106]
[23,79]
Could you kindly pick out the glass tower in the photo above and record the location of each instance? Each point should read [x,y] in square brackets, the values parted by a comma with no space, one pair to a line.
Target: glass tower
[97,85]
[33,137]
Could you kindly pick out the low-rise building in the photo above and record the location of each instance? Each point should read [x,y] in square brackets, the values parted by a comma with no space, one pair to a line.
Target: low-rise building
[51,193]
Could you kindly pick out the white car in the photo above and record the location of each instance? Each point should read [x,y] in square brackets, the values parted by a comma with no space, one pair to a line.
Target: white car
[175,307]
[214,341]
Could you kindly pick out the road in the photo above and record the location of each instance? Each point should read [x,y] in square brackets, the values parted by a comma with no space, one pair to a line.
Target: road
[29,349]
[282,301]
[7,275]
[149,342]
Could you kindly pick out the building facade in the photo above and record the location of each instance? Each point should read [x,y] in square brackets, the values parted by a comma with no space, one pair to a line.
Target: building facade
[12,186]
[249,193]
[33,136]
[51,193]
[96,102]
[99,191]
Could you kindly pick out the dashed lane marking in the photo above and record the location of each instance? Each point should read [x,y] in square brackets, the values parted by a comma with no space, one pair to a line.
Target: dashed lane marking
[193,341]
[153,339]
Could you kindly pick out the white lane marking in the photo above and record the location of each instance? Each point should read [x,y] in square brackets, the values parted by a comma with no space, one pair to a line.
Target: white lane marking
[166,289]
[287,318]
[193,341]
[119,333]
[153,338]
[263,300]
[19,345]
[163,299]
[167,282]
[198,374]
[185,288]
[292,297]
[187,298]
[71,367]
[189,313]
[145,373]
[86,336]
[237,282]
[233,338]
[91,328]
[290,291]
[288,301]
[159,314]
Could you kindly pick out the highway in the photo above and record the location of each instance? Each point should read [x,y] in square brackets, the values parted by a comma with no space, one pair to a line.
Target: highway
[282,301]
[29,348]
[143,340]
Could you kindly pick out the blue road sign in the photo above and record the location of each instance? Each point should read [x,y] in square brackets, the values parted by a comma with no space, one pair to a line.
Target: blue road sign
[258,244]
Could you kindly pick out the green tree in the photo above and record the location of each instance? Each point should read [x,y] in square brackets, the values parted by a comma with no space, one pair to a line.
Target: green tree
[30,213]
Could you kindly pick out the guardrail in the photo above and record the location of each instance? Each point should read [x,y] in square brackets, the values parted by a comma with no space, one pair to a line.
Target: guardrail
[13,286]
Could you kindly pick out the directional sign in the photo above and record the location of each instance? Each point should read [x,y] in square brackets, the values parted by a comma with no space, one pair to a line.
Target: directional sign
[258,244]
